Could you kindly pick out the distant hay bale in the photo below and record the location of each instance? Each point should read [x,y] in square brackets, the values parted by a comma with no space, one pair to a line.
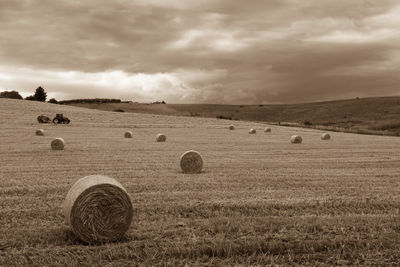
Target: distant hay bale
[128,134]
[39,132]
[267,130]
[161,138]
[58,144]
[252,131]
[98,209]
[325,136]
[231,127]
[191,162]
[296,139]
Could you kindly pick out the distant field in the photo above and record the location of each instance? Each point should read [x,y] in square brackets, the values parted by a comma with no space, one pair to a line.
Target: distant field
[365,115]
[259,201]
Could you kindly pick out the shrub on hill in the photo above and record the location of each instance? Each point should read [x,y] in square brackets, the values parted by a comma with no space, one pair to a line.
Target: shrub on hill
[222,117]
[53,101]
[10,94]
[31,98]
[386,126]
[90,101]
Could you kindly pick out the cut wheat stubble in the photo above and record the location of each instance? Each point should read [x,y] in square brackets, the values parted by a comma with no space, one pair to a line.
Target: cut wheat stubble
[161,138]
[39,132]
[98,209]
[58,144]
[296,139]
[191,162]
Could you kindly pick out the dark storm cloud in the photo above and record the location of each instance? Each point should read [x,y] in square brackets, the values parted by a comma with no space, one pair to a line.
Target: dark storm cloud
[202,51]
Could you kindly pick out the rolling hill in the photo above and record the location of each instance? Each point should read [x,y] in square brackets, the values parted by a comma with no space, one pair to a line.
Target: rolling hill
[260,200]
[379,115]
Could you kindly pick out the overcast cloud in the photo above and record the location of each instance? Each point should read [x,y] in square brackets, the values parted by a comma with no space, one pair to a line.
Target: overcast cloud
[277,51]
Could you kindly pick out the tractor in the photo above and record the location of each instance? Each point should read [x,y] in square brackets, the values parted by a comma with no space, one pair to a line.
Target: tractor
[59,118]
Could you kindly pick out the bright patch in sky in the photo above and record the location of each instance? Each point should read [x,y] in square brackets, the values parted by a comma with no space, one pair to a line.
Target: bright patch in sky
[357,37]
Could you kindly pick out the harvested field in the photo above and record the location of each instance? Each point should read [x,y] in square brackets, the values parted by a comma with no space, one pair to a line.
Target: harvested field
[258,200]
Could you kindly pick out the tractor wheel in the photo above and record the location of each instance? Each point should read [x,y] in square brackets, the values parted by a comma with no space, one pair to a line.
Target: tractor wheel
[56,121]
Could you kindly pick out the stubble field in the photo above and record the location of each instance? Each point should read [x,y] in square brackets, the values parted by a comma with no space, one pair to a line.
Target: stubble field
[260,200]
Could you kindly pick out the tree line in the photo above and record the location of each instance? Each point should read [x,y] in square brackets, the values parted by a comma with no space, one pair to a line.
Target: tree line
[41,95]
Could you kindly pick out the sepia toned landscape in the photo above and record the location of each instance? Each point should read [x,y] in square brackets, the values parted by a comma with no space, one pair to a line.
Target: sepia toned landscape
[199,133]
[374,115]
[259,200]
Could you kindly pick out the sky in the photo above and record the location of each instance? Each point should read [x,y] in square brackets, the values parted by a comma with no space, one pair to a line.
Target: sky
[208,51]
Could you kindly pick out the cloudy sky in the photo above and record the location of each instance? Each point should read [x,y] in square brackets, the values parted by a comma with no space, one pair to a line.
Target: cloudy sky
[208,51]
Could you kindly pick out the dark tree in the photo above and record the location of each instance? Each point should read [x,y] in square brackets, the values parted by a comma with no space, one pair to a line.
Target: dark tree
[31,97]
[40,94]
[307,123]
[53,101]
[10,94]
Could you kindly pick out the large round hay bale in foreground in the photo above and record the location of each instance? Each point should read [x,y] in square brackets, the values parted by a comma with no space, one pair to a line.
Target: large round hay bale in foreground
[128,134]
[98,209]
[58,144]
[191,162]
[252,131]
[325,136]
[231,127]
[296,139]
[161,138]
[267,130]
[39,132]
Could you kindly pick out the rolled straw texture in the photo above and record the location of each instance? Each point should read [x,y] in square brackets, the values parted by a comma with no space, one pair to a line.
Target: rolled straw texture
[128,134]
[161,138]
[98,209]
[296,139]
[325,136]
[39,132]
[191,162]
[58,144]
[252,131]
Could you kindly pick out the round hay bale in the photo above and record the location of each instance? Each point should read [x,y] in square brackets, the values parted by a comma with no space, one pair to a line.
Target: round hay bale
[161,138]
[325,136]
[191,162]
[267,130]
[39,132]
[98,209]
[58,144]
[231,127]
[296,139]
[252,131]
[128,134]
